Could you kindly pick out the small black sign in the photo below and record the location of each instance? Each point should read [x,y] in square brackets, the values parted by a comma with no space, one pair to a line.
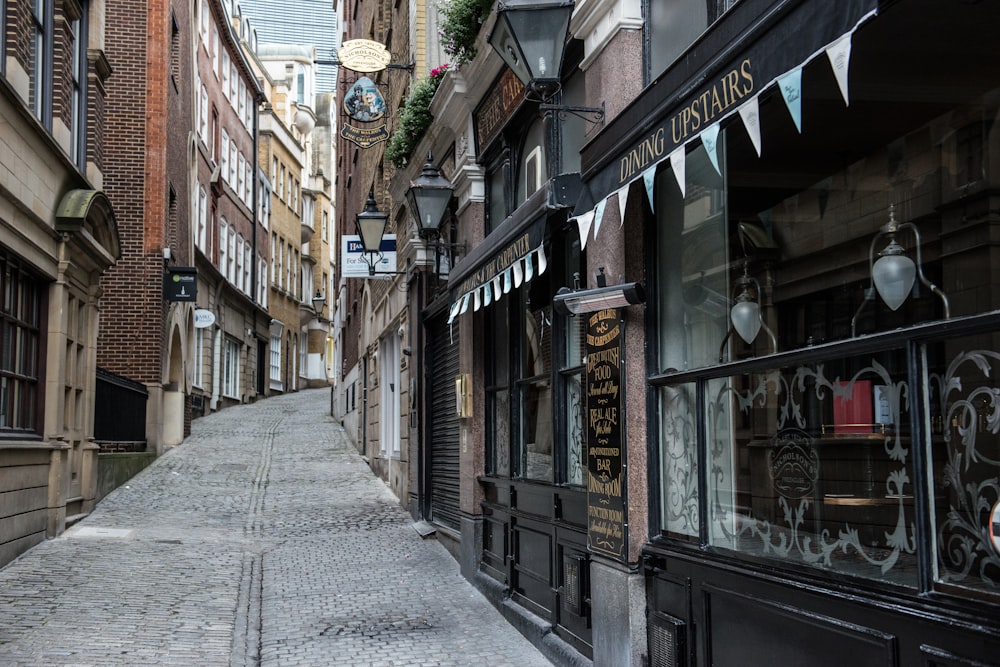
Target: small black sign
[181,284]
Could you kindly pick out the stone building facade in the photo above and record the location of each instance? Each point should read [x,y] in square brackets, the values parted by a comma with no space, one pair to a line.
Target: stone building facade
[58,234]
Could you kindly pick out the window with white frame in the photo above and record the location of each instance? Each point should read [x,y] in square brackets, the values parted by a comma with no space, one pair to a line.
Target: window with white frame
[262,281]
[203,114]
[234,76]
[241,102]
[225,154]
[241,181]
[215,51]
[231,266]
[232,163]
[203,22]
[199,358]
[225,72]
[275,363]
[303,355]
[288,269]
[78,78]
[326,226]
[239,263]
[274,256]
[201,235]
[248,268]
[231,368]
[223,246]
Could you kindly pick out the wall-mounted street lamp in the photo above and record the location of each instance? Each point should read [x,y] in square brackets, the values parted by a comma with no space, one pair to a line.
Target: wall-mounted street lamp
[530,36]
[576,301]
[428,199]
[371,226]
[746,317]
[318,301]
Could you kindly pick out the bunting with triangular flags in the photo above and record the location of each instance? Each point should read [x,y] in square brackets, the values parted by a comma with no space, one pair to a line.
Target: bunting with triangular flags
[840,59]
[677,163]
[791,91]
[750,113]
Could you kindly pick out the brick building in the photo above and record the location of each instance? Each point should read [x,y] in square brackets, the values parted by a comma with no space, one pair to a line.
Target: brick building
[58,233]
[148,145]
[229,356]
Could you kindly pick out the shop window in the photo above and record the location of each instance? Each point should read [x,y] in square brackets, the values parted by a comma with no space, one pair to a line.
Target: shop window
[534,363]
[964,426]
[534,386]
[498,391]
[801,416]
[21,347]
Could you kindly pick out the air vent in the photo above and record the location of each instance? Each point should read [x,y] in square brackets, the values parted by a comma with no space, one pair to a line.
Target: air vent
[666,641]
[574,584]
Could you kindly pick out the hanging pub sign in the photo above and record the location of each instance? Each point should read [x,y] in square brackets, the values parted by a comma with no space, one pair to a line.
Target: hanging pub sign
[180,283]
[363,55]
[363,102]
[606,520]
[364,137]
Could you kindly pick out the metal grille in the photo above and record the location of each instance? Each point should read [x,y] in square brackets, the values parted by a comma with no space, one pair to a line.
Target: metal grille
[666,641]
[571,585]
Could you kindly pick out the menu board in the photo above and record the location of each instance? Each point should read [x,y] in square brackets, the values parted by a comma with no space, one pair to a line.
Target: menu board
[606,520]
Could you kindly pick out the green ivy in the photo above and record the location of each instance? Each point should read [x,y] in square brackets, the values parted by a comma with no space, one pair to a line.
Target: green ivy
[414,119]
[460,24]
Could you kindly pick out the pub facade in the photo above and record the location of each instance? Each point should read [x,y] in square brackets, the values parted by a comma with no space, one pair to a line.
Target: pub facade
[730,347]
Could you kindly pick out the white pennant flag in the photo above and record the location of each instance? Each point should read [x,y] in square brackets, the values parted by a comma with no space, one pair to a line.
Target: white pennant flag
[623,202]
[542,261]
[478,301]
[487,294]
[497,287]
[710,140]
[791,89]
[839,54]
[518,275]
[649,179]
[599,215]
[454,311]
[583,223]
[507,279]
[529,268]
[750,113]
[677,158]
[465,303]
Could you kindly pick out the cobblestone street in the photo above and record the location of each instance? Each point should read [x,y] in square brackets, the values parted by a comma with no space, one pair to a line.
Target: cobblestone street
[262,539]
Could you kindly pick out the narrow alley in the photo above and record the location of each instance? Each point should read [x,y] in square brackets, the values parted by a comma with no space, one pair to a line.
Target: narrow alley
[263,539]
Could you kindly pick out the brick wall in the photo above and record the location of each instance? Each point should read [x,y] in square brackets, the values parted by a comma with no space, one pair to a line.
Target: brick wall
[131,340]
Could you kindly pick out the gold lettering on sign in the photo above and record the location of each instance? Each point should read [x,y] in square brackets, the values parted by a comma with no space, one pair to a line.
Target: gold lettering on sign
[497,107]
[734,86]
[497,264]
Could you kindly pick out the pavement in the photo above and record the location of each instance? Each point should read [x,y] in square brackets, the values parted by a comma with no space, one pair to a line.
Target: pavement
[263,539]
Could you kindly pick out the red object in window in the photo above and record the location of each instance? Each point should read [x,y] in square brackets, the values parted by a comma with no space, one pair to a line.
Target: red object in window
[854,413]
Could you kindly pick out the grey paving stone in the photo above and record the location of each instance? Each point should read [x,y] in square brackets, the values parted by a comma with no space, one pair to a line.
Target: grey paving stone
[263,539]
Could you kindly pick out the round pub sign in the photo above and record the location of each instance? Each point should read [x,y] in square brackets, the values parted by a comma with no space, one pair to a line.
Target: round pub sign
[363,55]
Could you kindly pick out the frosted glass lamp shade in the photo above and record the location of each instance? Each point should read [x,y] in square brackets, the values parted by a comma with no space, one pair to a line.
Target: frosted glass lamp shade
[893,274]
[745,316]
